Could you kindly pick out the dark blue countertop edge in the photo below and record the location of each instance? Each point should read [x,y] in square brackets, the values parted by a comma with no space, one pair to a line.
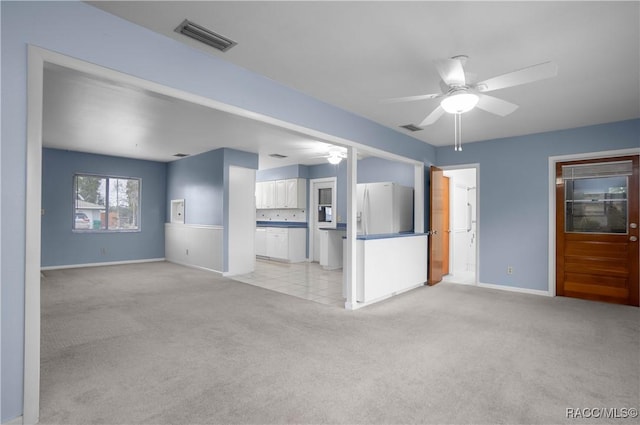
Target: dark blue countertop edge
[286,224]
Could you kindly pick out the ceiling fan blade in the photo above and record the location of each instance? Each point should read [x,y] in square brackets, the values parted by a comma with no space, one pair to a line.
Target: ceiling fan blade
[451,71]
[516,78]
[432,117]
[412,98]
[495,105]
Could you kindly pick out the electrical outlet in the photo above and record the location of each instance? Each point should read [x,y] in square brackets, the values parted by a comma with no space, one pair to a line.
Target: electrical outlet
[103,251]
[187,251]
[509,270]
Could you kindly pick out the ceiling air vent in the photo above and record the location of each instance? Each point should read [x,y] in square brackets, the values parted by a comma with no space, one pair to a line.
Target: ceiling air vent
[205,36]
[277,155]
[411,127]
[180,155]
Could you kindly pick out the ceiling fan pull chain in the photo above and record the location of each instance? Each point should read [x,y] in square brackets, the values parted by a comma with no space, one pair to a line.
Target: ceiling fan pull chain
[457,120]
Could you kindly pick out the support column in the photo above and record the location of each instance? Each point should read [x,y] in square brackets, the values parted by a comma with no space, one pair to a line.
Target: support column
[352,228]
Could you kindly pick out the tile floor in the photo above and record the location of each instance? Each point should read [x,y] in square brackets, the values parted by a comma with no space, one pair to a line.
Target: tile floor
[303,280]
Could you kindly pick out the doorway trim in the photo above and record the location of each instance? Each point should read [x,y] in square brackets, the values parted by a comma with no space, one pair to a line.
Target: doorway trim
[313,207]
[475,166]
[552,200]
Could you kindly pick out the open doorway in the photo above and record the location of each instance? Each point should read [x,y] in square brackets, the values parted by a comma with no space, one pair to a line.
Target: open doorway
[322,216]
[462,229]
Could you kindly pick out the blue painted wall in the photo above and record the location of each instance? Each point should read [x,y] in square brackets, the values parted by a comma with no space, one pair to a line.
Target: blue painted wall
[199,180]
[339,171]
[369,170]
[280,173]
[514,195]
[372,170]
[61,246]
[203,182]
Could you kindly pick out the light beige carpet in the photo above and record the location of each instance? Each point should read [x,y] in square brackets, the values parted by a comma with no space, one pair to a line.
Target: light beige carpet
[162,344]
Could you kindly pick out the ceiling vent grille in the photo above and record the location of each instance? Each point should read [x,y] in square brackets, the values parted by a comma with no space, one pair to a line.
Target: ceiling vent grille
[205,36]
[277,155]
[411,127]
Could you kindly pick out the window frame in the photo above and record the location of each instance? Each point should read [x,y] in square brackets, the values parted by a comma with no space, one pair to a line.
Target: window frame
[108,177]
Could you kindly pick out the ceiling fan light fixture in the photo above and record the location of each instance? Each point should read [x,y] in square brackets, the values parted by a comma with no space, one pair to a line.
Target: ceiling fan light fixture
[459,103]
[334,158]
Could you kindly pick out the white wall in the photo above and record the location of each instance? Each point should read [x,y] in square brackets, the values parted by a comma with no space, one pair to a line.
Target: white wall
[242,220]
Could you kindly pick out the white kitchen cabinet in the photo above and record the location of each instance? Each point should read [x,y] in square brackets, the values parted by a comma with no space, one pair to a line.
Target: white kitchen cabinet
[288,244]
[331,249]
[281,194]
[277,243]
[296,193]
[266,195]
[261,241]
[259,196]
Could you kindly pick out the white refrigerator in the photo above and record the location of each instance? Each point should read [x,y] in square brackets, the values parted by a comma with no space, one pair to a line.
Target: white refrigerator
[384,207]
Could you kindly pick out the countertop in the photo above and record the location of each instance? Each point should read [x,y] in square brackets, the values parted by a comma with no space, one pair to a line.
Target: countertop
[282,224]
[388,236]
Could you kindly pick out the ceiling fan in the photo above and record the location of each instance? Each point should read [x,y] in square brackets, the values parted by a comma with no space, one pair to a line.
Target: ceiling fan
[460,93]
[334,154]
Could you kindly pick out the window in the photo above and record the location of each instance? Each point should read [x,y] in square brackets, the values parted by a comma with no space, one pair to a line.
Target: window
[596,197]
[103,203]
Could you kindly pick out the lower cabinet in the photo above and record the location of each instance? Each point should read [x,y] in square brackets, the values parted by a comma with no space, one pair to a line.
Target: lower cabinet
[281,243]
[261,241]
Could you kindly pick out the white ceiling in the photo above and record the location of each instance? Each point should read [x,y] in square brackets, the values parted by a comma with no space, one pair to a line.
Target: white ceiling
[89,114]
[355,54]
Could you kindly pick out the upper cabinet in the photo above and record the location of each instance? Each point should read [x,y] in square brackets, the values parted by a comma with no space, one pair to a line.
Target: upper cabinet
[280,194]
[266,195]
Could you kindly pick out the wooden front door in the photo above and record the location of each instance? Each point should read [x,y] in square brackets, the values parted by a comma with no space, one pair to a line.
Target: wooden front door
[437,210]
[597,229]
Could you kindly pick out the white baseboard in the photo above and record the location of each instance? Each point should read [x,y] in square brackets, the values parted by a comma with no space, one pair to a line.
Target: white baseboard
[14,421]
[195,267]
[106,263]
[359,304]
[515,289]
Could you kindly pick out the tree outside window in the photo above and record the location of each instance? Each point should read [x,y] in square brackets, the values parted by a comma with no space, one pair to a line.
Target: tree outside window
[104,203]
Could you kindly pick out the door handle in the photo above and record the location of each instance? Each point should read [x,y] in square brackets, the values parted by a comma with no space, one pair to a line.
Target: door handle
[633,238]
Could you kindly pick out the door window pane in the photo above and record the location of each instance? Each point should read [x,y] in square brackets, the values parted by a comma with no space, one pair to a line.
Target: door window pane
[596,205]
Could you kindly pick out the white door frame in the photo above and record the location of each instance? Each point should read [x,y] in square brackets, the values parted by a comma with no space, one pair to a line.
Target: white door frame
[475,166]
[313,208]
[552,200]
[37,57]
